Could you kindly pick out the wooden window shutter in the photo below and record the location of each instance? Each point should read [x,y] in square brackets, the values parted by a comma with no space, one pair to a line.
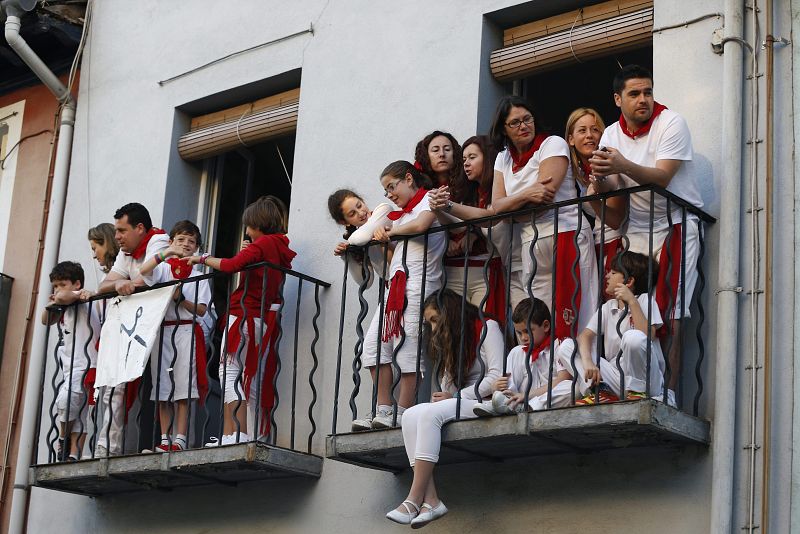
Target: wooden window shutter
[248,124]
[571,37]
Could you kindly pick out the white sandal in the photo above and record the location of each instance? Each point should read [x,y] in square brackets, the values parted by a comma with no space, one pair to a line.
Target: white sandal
[404,518]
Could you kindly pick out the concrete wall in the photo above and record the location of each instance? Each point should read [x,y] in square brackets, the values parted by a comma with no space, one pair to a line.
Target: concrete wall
[375,78]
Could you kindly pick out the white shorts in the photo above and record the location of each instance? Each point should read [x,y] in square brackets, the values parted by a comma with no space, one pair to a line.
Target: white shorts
[231,367]
[412,321]
[640,242]
[174,380]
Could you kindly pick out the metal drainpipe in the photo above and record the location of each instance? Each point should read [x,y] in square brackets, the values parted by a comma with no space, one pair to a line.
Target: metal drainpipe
[19,500]
[728,300]
[769,46]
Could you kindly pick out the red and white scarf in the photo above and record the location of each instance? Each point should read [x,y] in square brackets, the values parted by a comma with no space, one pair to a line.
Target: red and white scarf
[520,160]
[623,124]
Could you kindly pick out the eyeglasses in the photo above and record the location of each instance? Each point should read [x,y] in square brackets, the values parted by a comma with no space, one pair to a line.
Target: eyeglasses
[516,123]
[389,190]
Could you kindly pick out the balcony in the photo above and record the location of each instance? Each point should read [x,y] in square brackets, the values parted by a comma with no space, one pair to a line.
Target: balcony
[116,456]
[571,429]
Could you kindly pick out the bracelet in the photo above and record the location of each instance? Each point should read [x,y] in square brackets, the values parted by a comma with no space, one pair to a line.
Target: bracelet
[159,257]
[449,206]
[203,258]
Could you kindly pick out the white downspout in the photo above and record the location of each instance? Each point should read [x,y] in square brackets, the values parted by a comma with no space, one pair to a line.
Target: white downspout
[727,351]
[52,239]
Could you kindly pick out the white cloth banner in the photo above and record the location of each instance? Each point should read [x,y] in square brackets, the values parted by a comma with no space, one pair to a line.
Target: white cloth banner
[129,333]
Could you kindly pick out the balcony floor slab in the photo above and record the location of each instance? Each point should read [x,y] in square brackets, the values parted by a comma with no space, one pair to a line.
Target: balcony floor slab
[229,465]
[576,430]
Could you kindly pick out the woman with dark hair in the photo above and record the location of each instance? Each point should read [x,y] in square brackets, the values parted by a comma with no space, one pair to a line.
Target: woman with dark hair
[462,369]
[478,156]
[534,170]
[439,156]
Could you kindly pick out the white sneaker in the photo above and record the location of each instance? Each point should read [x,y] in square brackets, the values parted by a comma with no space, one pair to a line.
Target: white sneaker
[230,439]
[384,419]
[500,404]
[379,217]
[213,442]
[484,409]
[364,423]
[670,398]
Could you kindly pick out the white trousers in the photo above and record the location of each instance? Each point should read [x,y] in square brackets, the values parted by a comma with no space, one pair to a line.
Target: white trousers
[640,242]
[476,287]
[545,263]
[174,379]
[633,362]
[113,418]
[422,427]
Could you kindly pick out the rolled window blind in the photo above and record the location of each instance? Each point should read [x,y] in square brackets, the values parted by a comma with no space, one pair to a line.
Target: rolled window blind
[245,125]
[572,37]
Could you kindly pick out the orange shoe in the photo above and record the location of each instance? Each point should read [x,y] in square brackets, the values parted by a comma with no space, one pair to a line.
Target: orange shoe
[604,396]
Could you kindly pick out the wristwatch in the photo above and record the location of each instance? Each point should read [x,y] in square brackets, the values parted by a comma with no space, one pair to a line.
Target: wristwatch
[449,206]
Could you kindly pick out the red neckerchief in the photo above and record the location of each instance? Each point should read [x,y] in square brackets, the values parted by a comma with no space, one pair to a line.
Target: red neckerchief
[520,160]
[394,215]
[587,170]
[139,251]
[180,268]
[657,109]
[484,198]
[537,350]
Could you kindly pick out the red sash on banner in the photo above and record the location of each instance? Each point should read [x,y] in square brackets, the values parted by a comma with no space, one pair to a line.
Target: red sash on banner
[565,315]
[662,291]
[199,356]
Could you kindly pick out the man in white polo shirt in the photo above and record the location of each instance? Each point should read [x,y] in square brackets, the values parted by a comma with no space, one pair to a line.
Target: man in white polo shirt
[651,144]
[138,240]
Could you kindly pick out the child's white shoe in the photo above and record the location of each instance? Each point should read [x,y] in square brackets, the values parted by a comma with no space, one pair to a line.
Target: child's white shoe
[385,418]
[404,518]
[484,409]
[500,404]
[363,423]
[379,217]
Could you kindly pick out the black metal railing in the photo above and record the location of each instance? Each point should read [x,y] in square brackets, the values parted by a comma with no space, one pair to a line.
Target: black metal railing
[360,399]
[108,424]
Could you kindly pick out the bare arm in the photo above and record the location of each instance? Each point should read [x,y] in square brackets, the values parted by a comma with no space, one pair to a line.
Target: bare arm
[616,210]
[109,282]
[551,175]
[422,223]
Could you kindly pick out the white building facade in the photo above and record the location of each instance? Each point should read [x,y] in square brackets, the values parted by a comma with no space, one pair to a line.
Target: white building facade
[374,78]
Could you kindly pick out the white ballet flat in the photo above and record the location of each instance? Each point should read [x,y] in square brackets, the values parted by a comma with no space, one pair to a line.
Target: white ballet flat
[429,513]
[379,217]
[404,518]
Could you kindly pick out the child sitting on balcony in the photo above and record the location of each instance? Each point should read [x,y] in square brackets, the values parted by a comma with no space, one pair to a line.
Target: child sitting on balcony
[177,373]
[406,187]
[509,391]
[250,364]
[465,366]
[625,336]
[77,354]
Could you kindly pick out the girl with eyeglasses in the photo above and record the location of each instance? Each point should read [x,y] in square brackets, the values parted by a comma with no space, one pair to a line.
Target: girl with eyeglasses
[398,326]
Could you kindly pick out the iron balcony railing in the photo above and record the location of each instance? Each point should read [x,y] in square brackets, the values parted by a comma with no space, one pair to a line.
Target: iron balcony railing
[357,402]
[138,430]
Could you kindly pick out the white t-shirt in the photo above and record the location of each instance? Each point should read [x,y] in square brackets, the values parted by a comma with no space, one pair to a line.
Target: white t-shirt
[128,268]
[611,314]
[416,251]
[163,273]
[492,356]
[609,232]
[668,138]
[81,335]
[540,369]
[515,182]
